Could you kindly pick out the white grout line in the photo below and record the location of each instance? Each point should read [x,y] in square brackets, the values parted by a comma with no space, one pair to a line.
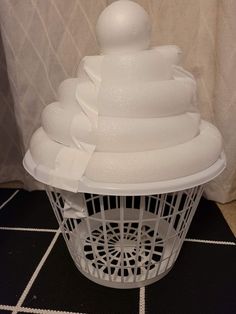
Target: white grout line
[210,242]
[34,310]
[45,311]
[56,230]
[8,200]
[142,300]
[7,307]
[28,229]
[36,272]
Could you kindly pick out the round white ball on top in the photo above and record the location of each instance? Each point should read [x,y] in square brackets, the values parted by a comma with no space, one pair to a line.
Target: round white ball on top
[123,27]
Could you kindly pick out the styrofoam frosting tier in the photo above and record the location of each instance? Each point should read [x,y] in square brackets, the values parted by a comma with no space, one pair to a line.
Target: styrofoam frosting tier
[129,118]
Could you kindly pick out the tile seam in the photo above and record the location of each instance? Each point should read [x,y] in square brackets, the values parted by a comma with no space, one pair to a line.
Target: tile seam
[9,199]
[36,272]
[210,241]
[28,229]
[35,310]
[142,300]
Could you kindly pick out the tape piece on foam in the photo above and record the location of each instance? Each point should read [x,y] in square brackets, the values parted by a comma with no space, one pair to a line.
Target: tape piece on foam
[71,162]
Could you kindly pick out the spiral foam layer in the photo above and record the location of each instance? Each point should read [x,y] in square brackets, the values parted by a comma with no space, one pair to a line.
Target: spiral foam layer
[128,117]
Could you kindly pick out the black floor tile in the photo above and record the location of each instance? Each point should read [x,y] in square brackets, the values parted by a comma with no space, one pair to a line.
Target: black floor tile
[203,280]
[60,286]
[5,194]
[209,223]
[28,210]
[20,254]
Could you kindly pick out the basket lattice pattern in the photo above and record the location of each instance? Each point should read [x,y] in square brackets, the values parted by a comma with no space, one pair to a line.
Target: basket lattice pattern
[125,241]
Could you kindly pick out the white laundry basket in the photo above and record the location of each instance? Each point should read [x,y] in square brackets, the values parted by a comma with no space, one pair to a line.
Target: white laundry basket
[124,241]
[130,236]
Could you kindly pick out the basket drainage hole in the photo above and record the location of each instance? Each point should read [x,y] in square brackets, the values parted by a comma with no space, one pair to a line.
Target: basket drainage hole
[125,272]
[87,248]
[90,257]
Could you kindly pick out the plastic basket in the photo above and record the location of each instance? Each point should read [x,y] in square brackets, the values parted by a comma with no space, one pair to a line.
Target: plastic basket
[124,241]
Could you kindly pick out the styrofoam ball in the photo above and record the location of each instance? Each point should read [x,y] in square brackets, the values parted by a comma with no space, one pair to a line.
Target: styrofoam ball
[123,27]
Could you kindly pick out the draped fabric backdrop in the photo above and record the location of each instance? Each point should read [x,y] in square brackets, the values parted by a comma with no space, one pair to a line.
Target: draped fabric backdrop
[42,43]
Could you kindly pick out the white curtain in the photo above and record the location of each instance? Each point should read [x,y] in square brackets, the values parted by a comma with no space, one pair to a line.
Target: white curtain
[44,41]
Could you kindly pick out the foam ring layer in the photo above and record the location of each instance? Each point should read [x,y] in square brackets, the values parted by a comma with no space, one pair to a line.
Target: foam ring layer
[146,100]
[145,166]
[161,164]
[118,134]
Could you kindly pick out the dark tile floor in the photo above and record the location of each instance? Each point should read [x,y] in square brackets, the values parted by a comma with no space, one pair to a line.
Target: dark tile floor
[202,281]
[37,274]
[20,254]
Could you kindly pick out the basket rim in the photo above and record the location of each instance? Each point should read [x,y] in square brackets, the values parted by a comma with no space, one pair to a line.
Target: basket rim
[159,187]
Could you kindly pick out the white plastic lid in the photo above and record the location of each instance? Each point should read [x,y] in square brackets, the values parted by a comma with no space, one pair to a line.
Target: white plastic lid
[88,186]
